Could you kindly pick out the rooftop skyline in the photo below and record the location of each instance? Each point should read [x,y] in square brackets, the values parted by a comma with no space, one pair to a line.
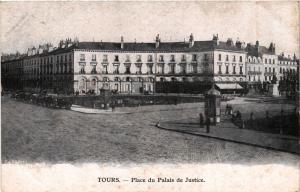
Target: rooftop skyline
[34,23]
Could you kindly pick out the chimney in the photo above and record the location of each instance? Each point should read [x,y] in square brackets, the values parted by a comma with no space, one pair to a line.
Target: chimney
[33,51]
[157,41]
[238,44]
[122,42]
[294,57]
[216,39]
[191,41]
[229,42]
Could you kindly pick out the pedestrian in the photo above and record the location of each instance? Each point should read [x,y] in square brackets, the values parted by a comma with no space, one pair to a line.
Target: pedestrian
[201,120]
[207,125]
[238,115]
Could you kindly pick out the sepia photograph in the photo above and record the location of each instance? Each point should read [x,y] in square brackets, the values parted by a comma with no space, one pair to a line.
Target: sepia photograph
[150,96]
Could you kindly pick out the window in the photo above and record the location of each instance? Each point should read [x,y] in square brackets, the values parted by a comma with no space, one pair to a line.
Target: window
[205,57]
[127,69]
[105,71]
[227,71]
[127,58]
[150,59]
[234,70]
[94,70]
[227,58]
[273,70]
[183,58]
[194,57]
[104,57]
[220,57]
[82,70]
[220,69]
[270,61]
[266,70]
[172,69]
[94,57]
[172,59]
[194,68]
[70,58]
[233,58]
[266,78]
[139,69]
[183,69]
[161,58]
[270,69]
[150,69]
[116,69]
[273,61]
[82,57]
[266,61]
[241,59]
[116,58]
[241,69]
[138,58]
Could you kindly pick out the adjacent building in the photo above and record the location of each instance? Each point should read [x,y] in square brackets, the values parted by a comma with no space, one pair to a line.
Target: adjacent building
[131,67]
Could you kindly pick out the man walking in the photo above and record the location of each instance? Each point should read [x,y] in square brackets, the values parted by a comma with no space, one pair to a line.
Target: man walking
[207,125]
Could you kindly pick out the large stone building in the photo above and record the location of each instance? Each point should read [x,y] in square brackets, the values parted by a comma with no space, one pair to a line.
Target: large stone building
[142,67]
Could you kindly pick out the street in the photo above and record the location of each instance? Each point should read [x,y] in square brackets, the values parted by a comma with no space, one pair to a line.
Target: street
[33,133]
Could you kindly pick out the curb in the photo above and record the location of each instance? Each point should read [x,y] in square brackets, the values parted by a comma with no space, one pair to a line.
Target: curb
[223,139]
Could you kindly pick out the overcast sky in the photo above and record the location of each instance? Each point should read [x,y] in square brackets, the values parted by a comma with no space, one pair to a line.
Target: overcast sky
[25,24]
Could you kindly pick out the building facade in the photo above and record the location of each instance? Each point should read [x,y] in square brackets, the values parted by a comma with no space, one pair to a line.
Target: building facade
[130,67]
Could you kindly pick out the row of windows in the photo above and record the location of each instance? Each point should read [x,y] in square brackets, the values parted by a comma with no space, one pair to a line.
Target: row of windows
[47,60]
[287,63]
[283,70]
[139,58]
[233,58]
[233,70]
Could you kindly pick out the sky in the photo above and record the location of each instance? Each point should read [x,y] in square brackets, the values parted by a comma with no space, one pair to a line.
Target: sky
[25,24]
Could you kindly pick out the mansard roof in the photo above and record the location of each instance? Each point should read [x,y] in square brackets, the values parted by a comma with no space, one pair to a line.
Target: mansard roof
[252,50]
[283,58]
[163,46]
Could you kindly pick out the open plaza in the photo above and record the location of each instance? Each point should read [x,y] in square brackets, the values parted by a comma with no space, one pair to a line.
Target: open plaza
[33,133]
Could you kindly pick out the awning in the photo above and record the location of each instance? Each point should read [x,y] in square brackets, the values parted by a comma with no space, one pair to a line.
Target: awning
[229,86]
